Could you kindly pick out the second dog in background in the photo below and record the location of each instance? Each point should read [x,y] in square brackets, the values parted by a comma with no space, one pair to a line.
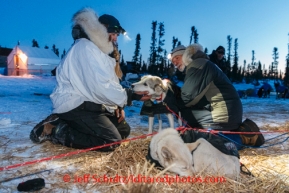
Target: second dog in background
[162,97]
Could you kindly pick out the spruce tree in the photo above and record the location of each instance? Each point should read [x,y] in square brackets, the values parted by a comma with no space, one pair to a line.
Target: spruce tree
[286,77]
[239,74]
[153,49]
[253,64]
[259,73]
[136,58]
[35,43]
[63,54]
[243,71]
[144,67]
[165,59]
[275,62]
[206,50]
[194,34]
[161,43]
[55,50]
[140,59]
[228,62]
[271,67]
[174,42]
[247,72]
[235,65]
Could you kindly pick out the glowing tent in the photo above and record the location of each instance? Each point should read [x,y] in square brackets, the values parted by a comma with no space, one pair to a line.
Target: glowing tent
[31,60]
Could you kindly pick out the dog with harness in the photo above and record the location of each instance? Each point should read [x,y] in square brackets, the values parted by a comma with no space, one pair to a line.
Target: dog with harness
[194,152]
[162,100]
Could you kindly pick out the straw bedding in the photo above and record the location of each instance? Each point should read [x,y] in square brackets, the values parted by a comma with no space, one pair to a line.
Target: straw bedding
[268,165]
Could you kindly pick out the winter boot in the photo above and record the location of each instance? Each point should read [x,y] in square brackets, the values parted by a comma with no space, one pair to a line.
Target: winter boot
[255,140]
[60,133]
[42,131]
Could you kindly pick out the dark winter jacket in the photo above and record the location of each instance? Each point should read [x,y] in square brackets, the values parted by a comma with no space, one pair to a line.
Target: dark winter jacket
[220,63]
[209,99]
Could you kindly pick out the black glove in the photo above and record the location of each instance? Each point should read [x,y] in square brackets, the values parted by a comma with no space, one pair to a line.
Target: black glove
[177,90]
[131,96]
[31,185]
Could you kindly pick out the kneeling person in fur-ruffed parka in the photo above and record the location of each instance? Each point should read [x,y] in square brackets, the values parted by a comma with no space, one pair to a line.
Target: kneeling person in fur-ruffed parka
[209,100]
[88,100]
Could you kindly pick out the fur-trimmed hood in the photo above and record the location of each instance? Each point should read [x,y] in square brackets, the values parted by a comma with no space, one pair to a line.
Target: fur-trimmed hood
[97,32]
[192,52]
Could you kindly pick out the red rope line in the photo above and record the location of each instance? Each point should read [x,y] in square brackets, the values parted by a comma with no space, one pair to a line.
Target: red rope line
[72,153]
[182,129]
[229,132]
[219,131]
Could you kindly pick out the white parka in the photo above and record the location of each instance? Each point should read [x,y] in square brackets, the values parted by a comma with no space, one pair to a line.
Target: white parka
[87,72]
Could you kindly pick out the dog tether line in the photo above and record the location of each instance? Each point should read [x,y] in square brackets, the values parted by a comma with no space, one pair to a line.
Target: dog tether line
[73,152]
[221,133]
[114,143]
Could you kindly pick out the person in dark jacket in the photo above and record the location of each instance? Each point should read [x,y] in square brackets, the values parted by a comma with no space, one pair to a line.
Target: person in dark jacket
[208,94]
[207,98]
[217,57]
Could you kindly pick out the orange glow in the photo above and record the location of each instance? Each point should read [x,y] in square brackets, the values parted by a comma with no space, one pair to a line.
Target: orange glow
[23,57]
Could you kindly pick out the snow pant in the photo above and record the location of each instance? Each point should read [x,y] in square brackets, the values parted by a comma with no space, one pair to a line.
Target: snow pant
[91,125]
[202,118]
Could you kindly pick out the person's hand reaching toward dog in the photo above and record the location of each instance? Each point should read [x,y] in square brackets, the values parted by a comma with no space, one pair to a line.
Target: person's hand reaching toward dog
[144,95]
[139,95]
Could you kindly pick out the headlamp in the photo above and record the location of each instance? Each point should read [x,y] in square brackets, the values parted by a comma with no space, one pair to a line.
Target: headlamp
[116,29]
[169,56]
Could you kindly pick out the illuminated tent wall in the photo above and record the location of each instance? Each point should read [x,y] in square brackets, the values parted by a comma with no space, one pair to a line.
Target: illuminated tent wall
[31,60]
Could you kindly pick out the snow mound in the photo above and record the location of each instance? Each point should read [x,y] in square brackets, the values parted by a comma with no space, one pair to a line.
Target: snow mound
[5,121]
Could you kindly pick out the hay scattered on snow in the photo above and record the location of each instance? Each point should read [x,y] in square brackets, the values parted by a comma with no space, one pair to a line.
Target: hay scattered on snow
[269,166]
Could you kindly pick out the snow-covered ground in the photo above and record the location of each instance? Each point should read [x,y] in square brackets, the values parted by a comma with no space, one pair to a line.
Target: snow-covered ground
[24,101]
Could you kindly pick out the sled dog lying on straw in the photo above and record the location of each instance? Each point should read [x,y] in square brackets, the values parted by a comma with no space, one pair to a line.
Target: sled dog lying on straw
[187,159]
[162,96]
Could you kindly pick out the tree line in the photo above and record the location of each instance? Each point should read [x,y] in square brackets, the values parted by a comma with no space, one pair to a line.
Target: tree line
[157,64]
[54,49]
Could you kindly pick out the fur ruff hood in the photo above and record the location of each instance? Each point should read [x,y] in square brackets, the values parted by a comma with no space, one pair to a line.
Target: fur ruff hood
[192,52]
[97,32]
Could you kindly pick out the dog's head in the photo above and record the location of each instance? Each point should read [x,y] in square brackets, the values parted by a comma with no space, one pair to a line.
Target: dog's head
[178,160]
[171,152]
[153,84]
